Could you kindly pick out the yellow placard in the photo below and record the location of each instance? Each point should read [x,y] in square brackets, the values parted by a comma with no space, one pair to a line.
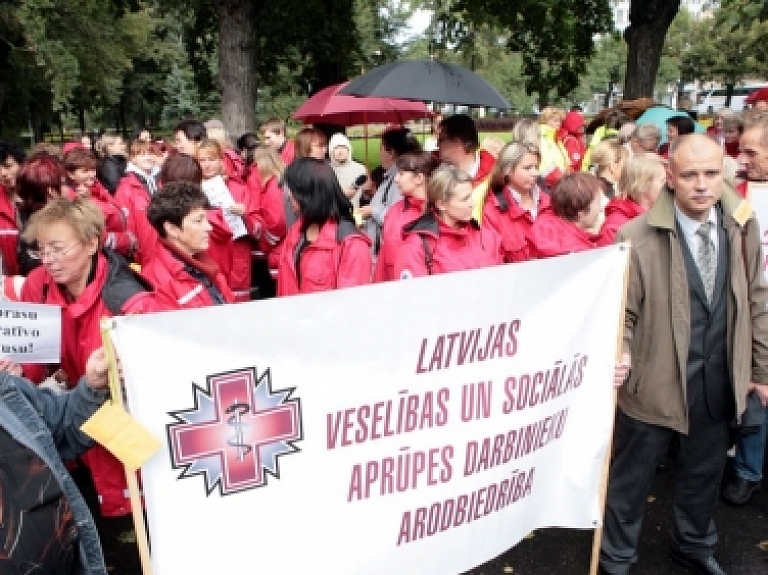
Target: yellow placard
[122,435]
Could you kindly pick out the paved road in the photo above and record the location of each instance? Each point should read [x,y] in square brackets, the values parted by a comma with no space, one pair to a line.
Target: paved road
[743,548]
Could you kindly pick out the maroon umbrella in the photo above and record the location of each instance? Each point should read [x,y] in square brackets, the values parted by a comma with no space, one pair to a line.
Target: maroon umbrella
[330,107]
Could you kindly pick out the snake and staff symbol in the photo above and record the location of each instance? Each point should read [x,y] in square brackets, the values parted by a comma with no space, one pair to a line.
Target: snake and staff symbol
[238,410]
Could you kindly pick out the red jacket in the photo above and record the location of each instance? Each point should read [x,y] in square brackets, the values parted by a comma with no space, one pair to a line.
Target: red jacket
[399,215]
[551,236]
[117,236]
[741,188]
[570,134]
[431,247]
[233,165]
[487,161]
[731,149]
[115,283]
[617,213]
[175,288]
[340,257]
[133,199]
[287,152]
[271,209]
[239,276]
[505,216]
[9,234]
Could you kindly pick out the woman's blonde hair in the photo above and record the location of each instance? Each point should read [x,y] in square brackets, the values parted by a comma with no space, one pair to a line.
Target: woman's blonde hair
[526,131]
[638,174]
[442,184]
[105,141]
[511,155]
[551,113]
[211,148]
[268,162]
[81,214]
[606,153]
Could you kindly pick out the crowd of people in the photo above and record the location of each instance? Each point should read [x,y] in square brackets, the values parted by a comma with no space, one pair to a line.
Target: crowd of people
[104,228]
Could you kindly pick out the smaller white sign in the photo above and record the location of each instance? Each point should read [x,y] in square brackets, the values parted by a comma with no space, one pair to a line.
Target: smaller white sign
[30,332]
[219,196]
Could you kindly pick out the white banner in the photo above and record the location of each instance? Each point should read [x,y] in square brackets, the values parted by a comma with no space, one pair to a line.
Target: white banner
[30,332]
[757,194]
[420,426]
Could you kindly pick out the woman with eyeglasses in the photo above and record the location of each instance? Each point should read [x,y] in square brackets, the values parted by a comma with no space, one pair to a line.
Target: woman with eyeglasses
[515,200]
[413,172]
[446,238]
[88,283]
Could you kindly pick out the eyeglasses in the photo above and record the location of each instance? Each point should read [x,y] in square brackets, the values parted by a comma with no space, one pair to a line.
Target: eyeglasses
[55,253]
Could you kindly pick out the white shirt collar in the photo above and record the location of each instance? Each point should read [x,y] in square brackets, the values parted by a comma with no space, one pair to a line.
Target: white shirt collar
[689,226]
[535,194]
[474,167]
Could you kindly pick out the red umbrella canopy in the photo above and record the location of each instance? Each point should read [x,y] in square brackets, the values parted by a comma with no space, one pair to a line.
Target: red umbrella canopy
[328,106]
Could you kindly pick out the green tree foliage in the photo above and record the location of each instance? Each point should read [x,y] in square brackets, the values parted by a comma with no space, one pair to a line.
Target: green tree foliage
[554,39]
[726,53]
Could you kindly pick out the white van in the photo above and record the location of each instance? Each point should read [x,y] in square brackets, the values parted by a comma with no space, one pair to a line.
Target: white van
[709,102]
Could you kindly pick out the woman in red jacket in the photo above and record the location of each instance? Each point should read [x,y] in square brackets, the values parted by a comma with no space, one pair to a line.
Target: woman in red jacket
[11,160]
[137,186]
[183,275]
[641,183]
[267,170]
[575,209]
[515,200]
[323,250]
[88,283]
[239,209]
[413,172]
[80,181]
[446,238]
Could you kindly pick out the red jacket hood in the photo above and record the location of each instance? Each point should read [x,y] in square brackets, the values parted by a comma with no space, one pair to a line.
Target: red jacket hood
[487,161]
[572,124]
[553,236]
[624,206]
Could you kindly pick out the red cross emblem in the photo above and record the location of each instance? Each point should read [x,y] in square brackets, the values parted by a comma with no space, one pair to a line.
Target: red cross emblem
[236,431]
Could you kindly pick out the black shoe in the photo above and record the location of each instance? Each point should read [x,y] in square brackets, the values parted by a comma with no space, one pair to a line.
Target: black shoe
[702,565]
[740,490]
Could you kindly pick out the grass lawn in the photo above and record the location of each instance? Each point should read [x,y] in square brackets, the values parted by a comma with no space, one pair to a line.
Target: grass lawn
[358,147]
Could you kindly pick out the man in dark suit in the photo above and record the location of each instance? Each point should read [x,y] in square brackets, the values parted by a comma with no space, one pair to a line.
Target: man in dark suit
[696,334]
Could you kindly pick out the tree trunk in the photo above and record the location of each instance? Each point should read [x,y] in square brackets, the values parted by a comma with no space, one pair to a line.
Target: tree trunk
[649,22]
[237,66]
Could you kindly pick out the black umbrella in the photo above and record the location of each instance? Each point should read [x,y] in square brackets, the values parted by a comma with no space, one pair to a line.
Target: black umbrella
[427,80]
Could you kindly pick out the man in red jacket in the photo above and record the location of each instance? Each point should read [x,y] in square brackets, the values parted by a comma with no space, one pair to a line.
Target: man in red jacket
[459,144]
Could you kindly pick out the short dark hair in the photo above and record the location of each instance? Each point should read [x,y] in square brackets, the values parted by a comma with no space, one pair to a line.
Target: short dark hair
[400,141]
[573,194]
[193,130]
[247,143]
[316,189]
[418,162]
[11,150]
[173,203]
[461,127]
[181,168]
[684,124]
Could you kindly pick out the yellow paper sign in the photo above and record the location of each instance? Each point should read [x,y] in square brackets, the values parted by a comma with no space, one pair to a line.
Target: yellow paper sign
[122,435]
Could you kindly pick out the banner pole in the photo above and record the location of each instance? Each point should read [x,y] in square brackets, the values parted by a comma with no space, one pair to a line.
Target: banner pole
[137,510]
[598,535]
